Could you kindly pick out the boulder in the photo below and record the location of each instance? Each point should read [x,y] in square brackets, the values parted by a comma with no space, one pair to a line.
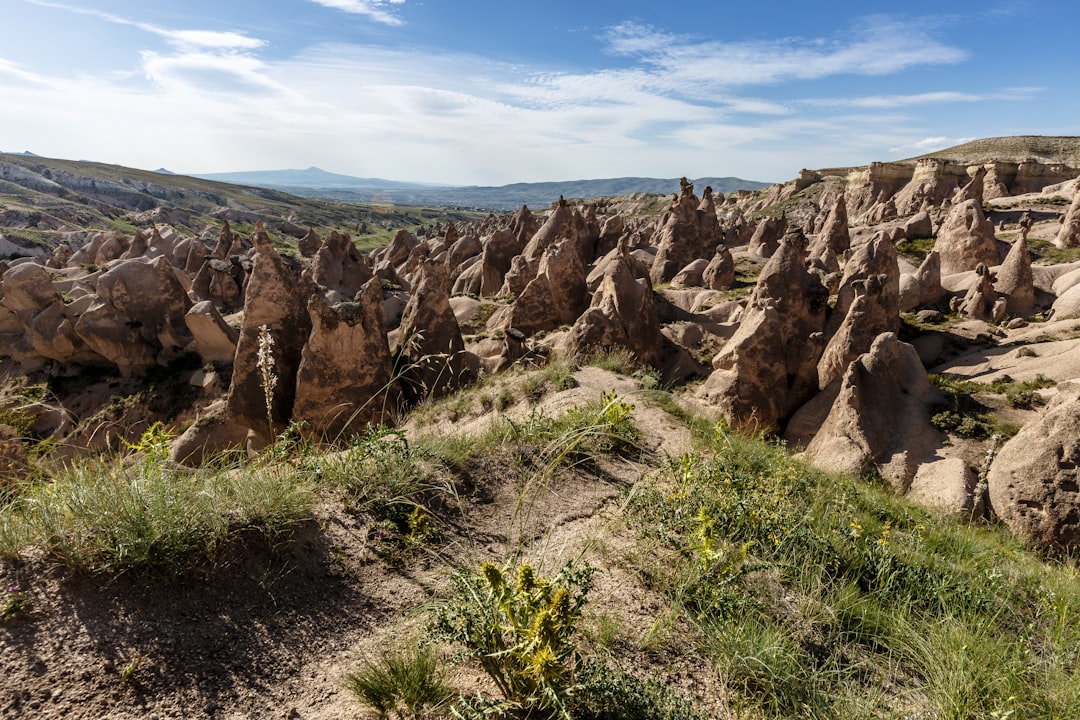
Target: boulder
[981,299]
[338,269]
[719,274]
[209,437]
[309,244]
[923,287]
[880,419]
[692,275]
[345,381]
[215,340]
[1033,482]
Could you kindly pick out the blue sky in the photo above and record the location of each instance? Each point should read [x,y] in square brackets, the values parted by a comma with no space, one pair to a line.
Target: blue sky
[485,92]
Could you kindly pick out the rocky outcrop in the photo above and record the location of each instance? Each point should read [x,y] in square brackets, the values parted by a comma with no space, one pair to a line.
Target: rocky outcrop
[867,318]
[769,366]
[339,269]
[137,319]
[1015,280]
[500,249]
[719,274]
[555,297]
[345,382]
[1069,234]
[622,315]
[973,190]
[430,353]
[875,259]
[275,307]
[834,233]
[767,235]
[215,340]
[1033,482]
[981,300]
[965,239]
[690,230]
[857,437]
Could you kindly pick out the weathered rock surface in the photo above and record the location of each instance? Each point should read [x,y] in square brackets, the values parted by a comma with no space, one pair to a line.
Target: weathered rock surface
[622,315]
[923,287]
[966,238]
[1016,282]
[1069,234]
[1033,482]
[769,366]
[880,419]
[690,230]
[345,380]
[430,353]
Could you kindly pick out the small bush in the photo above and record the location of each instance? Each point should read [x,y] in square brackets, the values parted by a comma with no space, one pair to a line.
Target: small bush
[402,684]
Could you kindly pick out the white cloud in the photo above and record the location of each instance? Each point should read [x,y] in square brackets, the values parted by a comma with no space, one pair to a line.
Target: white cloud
[896,101]
[375,9]
[929,144]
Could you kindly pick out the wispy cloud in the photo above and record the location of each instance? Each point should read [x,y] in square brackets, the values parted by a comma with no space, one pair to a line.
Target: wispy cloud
[897,101]
[929,144]
[208,39]
[377,10]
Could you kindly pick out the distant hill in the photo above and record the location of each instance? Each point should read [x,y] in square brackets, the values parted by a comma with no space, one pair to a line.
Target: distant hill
[316,183]
[313,177]
[1016,148]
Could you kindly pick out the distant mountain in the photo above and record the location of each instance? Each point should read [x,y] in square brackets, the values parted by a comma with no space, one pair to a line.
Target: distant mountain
[313,177]
[316,183]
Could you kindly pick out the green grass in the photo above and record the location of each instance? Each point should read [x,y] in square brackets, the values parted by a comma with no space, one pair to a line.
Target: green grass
[105,517]
[1048,253]
[409,683]
[821,596]
[915,250]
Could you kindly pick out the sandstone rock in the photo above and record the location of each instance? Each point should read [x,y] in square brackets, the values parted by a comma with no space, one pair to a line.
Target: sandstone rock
[966,238]
[499,251]
[275,299]
[973,190]
[689,231]
[215,340]
[947,486]
[1015,280]
[918,226]
[60,256]
[923,287]
[606,264]
[209,437]
[339,269]
[834,233]
[769,366]
[1033,481]
[430,353]
[137,320]
[309,244]
[875,258]
[719,274]
[767,235]
[692,274]
[622,315]
[981,297]
[463,249]
[866,319]
[859,435]
[1069,234]
[345,381]
[557,296]
[1067,304]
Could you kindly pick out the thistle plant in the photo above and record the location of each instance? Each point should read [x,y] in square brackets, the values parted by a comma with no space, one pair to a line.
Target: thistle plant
[265,363]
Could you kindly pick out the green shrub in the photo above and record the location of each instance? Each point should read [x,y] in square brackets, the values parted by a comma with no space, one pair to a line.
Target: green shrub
[521,628]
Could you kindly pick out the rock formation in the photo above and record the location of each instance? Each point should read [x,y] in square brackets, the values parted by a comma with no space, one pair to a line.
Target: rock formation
[1069,234]
[1033,481]
[345,382]
[966,238]
[1015,280]
[769,366]
[923,287]
[859,436]
[690,230]
[622,315]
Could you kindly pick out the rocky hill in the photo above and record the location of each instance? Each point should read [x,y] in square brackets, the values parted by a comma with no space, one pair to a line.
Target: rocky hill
[44,200]
[318,443]
[1046,149]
